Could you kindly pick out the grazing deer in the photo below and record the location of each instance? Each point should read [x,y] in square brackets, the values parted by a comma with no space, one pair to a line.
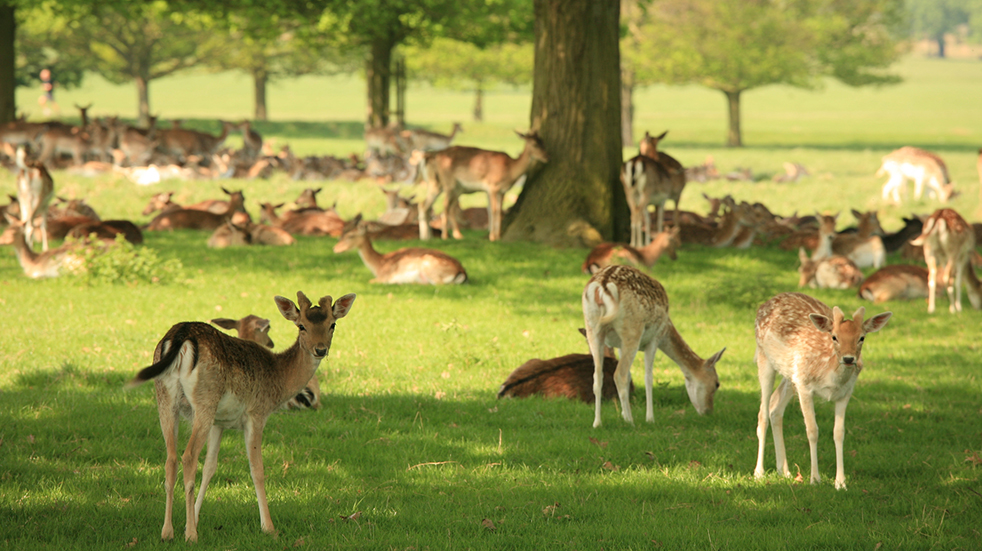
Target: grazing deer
[817,353]
[569,376]
[830,272]
[948,241]
[605,254]
[256,329]
[424,140]
[136,145]
[900,281]
[918,165]
[220,382]
[35,189]
[51,263]
[458,170]
[407,265]
[626,309]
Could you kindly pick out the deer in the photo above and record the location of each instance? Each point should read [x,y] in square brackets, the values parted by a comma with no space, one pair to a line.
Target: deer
[256,329]
[188,218]
[948,241]
[645,181]
[235,203]
[676,172]
[818,353]
[385,140]
[107,230]
[220,382]
[162,202]
[425,140]
[458,169]
[899,281]
[51,263]
[35,190]
[606,254]
[229,234]
[61,138]
[863,249]
[252,141]
[626,309]
[569,376]
[918,165]
[406,265]
[831,272]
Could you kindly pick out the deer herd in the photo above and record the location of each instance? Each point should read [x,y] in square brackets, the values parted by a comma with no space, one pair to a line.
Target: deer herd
[219,382]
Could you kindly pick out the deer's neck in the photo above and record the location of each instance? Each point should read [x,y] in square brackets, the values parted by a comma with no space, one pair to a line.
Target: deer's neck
[675,347]
[727,230]
[372,258]
[296,366]
[521,164]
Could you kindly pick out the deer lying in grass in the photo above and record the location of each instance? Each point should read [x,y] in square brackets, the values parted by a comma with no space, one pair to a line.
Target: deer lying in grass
[256,329]
[220,382]
[606,254]
[863,248]
[407,265]
[900,281]
[626,309]
[35,190]
[569,376]
[188,218]
[817,353]
[948,241]
[832,272]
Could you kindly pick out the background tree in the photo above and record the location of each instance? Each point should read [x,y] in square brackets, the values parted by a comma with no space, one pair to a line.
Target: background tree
[457,65]
[936,18]
[576,198]
[737,46]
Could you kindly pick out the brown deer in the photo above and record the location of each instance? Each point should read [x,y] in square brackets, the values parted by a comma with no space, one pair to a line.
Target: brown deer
[50,263]
[424,140]
[626,309]
[831,272]
[863,248]
[458,170]
[948,241]
[162,202]
[569,376]
[817,353]
[919,165]
[256,329]
[606,254]
[407,265]
[900,281]
[35,189]
[221,382]
[188,218]
[252,141]
[670,189]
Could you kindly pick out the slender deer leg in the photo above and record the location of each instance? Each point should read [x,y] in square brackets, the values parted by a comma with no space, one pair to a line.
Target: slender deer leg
[199,434]
[649,380]
[494,220]
[211,464]
[779,402]
[424,208]
[596,341]
[629,349]
[254,445]
[811,429]
[766,375]
[839,434]
[169,425]
[932,281]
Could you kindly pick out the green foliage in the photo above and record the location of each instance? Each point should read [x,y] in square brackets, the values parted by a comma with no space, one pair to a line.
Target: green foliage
[122,263]
[459,65]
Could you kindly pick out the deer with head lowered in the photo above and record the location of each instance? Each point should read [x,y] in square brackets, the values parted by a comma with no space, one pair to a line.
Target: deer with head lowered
[624,308]
[458,170]
[818,353]
[221,382]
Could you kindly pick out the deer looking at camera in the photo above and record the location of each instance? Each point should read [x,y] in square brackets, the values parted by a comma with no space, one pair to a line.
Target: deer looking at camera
[624,308]
[818,353]
[221,382]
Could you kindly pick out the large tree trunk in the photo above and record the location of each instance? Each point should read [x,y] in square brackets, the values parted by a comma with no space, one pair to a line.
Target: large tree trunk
[379,75]
[143,100]
[8,29]
[940,40]
[733,138]
[577,198]
[259,79]
[400,78]
[627,107]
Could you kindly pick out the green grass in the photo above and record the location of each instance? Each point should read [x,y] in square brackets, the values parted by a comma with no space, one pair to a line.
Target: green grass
[411,434]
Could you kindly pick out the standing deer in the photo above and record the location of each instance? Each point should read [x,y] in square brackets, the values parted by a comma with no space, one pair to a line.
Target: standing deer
[919,165]
[623,308]
[948,241]
[220,382]
[458,170]
[817,353]
[35,189]
[407,265]
[676,172]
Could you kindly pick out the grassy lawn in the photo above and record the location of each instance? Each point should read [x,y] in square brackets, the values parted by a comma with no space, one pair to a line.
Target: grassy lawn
[411,435]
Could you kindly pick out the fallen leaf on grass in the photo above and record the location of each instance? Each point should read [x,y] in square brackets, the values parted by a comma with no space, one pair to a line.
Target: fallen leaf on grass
[353,516]
[132,543]
[550,510]
[299,543]
[596,442]
[488,524]
[611,467]
[974,459]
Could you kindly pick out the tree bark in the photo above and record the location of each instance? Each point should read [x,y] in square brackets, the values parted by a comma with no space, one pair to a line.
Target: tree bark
[734,138]
[576,199]
[400,78]
[143,100]
[379,76]
[479,104]
[627,107]
[940,40]
[8,82]
[259,79]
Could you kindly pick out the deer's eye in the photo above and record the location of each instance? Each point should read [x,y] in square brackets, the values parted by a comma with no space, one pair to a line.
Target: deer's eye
[861,339]
[834,339]
[301,327]
[333,325]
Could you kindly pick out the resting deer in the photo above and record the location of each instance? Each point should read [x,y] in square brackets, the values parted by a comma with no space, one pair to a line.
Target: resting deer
[256,329]
[188,218]
[35,189]
[162,202]
[407,265]
[458,170]
[51,263]
[569,376]
[900,281]
[831,272]
[606,254]
[626,309]
[817,353]
[948,241]
[863,249]
[919,165]
[220,382]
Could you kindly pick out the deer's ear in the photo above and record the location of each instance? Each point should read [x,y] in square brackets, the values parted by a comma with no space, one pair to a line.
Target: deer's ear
[287,308]
[343,305]
[822,323]
[877,322]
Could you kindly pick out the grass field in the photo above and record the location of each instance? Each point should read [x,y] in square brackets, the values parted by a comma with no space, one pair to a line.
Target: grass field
[411,435]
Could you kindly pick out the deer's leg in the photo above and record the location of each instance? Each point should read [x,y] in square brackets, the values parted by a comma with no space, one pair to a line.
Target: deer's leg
[424,208]
[494,215]
[44,232]
[811,429]
[169,425]
[932,281]
[211,464]
[629,349]
[839,434]
[595,339]
[649,379]
[766,375]
[199,435]
[779,402]
[254,449]
[954,293]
